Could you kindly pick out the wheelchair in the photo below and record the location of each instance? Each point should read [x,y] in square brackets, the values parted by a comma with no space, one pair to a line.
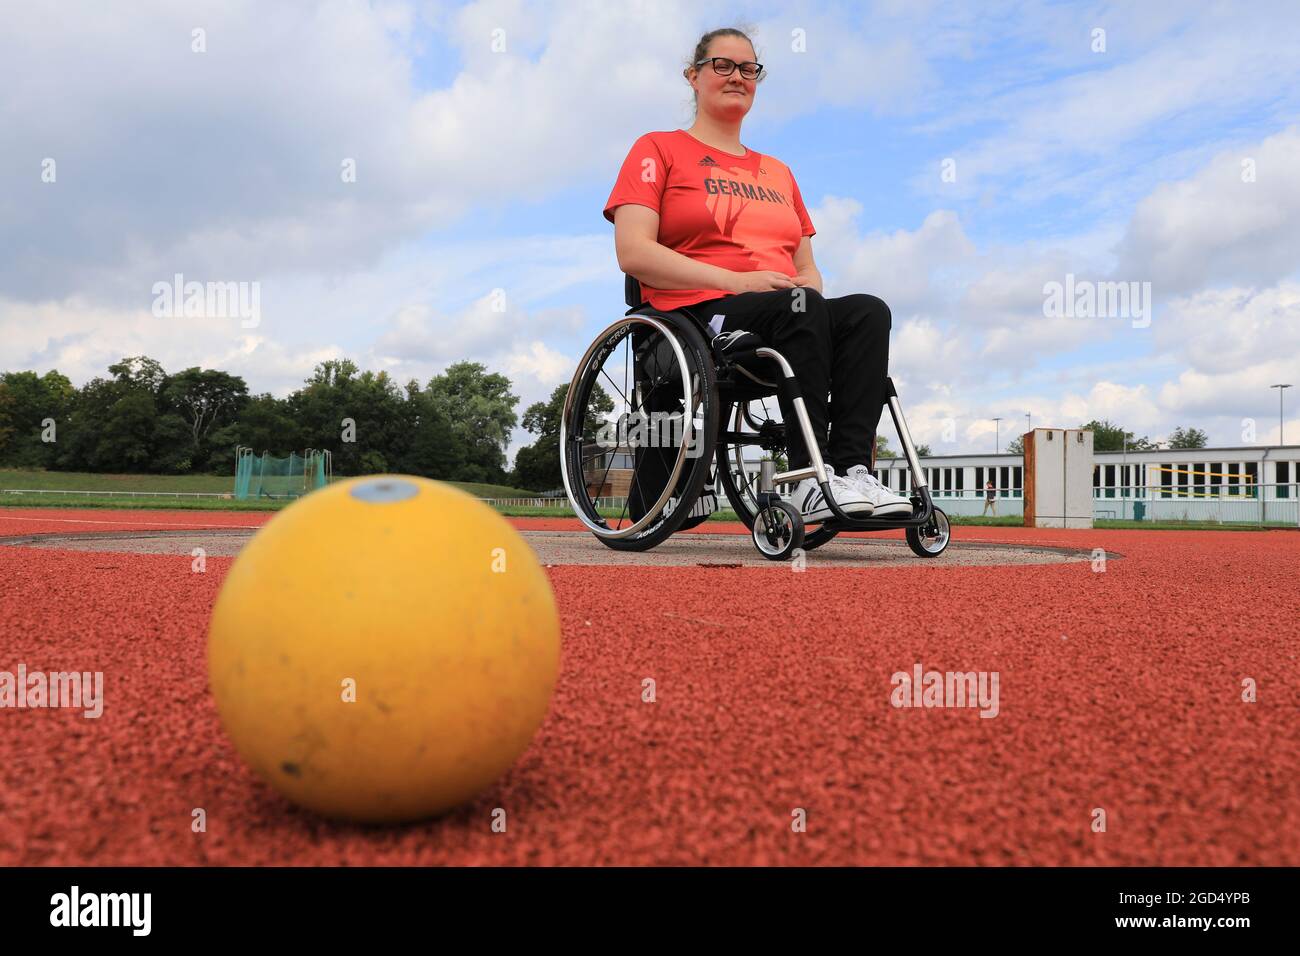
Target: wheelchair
[681,414]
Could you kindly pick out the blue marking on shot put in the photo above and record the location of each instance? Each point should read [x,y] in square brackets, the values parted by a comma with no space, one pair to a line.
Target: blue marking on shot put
[384,491]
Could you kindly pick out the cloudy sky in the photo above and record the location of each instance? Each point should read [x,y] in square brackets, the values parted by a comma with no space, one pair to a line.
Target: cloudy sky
[955,158]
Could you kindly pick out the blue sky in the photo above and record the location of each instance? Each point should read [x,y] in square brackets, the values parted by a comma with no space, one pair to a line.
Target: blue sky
[1112,157]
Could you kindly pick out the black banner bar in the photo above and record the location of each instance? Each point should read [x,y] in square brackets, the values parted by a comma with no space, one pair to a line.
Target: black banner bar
[303,905]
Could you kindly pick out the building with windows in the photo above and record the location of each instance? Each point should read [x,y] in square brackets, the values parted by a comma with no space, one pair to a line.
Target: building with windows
[1258,483]
[1243,483]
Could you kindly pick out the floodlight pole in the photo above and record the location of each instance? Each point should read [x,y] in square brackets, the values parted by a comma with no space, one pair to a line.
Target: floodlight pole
[1281,437]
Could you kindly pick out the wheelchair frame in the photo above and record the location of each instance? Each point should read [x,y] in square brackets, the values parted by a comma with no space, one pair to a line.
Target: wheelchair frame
[782,523]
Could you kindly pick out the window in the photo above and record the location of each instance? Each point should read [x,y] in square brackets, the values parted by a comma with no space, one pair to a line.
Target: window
[1004,488]
[1252,478]
[1018,473]
[1283,478]
[1182,480]
[1110,481]
[979,479]
[961,480]
[1166,482]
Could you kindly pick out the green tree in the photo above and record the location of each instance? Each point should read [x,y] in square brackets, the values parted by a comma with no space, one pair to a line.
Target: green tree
[378,432]
[126,433]
[1017,446]
[1187,438]
[1110,437]
[432,448]
[6,416]
[362,417]
[140,372]
[883,450]
[320,408]
[203,400]
[27,401]
[264,423]
[480,408]
[79,437]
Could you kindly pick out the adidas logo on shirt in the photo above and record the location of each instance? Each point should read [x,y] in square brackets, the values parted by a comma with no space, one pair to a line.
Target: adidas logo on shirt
[708,161]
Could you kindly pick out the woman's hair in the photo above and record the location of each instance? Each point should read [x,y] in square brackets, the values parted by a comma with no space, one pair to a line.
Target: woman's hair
[702,48]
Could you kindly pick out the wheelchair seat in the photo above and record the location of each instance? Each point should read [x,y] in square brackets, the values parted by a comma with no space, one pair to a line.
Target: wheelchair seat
[744,381]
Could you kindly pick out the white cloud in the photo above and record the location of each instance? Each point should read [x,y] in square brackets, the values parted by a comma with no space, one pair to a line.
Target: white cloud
[1220,330]
[905,267]
[538,361]
[419,334]
[1214,227]
[228,162]
[1068,122]
[68,335]
[849,59]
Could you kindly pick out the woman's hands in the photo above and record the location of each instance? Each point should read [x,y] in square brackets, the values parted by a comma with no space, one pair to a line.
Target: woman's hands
[765,281]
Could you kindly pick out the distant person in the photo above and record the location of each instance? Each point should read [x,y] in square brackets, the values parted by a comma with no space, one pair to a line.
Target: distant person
[990,499]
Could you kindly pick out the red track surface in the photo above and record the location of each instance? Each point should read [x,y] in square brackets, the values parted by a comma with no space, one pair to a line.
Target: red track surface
[1119,690]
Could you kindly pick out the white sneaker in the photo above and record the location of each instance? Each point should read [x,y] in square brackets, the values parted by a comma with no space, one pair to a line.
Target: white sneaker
[884,501]
[807,497]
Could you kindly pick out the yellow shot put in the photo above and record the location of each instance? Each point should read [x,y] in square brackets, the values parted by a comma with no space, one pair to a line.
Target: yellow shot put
[384,649]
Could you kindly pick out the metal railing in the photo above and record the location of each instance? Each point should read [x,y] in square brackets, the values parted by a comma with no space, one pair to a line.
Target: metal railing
[1264,504]
[116,494]
[1275,505]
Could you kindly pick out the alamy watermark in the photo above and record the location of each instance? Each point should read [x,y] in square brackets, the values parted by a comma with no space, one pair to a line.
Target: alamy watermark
[651,430]
[1085,299]
[79,690]
[129,910]
[208,300]
[923,688]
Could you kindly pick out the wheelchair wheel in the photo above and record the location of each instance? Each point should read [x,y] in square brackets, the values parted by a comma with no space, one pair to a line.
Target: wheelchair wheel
[778,530]
[931,540]
[740,483]
[653,431]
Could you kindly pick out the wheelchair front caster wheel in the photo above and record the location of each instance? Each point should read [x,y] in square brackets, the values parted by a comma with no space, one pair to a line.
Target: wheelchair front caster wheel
[778,530]
[931,540]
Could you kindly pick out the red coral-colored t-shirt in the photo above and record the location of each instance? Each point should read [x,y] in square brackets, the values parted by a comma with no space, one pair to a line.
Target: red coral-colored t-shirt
[743,213]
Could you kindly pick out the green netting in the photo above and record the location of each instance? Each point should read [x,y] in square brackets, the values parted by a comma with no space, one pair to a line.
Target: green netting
[265,476]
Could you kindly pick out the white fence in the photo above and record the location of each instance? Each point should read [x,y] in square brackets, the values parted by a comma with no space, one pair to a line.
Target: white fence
[1269,504]
[1276,505]
[116,494]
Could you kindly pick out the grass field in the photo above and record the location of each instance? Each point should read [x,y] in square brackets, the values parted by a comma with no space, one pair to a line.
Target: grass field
[11,478]
[221,504]
[85,481]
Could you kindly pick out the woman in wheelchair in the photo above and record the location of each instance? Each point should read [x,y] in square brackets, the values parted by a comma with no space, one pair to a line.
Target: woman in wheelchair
[718,230]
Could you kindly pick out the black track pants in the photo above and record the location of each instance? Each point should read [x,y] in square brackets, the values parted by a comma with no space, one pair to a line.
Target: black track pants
[838,346]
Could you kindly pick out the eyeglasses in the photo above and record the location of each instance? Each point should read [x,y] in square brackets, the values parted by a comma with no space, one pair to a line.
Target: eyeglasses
[724,67]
